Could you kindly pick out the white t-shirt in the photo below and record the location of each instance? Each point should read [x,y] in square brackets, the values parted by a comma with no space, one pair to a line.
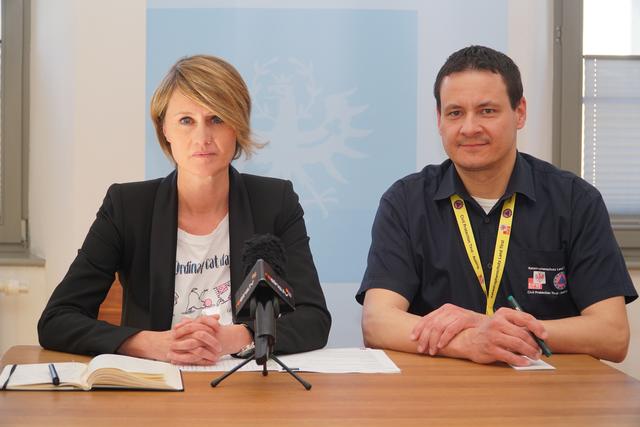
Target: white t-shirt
[486,204]
[203,276]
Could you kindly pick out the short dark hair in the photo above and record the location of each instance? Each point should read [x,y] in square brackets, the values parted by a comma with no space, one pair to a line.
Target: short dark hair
[482,58]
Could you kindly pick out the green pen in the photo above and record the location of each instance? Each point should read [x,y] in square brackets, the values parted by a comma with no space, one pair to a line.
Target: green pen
[541,343]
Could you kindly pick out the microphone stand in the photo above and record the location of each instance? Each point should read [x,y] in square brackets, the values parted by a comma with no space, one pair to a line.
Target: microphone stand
[265,332]
[265,372]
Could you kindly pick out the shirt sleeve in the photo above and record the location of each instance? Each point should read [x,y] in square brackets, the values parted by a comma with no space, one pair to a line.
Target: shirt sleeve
[596,269]
[391,261]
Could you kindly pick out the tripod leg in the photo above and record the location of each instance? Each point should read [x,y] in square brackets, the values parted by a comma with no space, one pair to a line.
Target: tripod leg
[226,374]
[305,384]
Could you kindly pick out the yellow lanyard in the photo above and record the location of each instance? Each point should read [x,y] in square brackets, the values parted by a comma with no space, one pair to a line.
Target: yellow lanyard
[500,252]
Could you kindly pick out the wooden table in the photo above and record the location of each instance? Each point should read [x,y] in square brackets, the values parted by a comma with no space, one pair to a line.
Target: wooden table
[582,391]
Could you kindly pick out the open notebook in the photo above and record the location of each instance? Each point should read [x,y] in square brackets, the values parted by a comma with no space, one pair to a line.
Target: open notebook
[104,371]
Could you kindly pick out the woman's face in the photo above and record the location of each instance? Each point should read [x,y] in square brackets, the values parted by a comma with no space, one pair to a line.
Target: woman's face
[201,143]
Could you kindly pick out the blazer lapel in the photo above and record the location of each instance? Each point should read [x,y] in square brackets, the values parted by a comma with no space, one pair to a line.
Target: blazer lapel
[241,228]
[162,253]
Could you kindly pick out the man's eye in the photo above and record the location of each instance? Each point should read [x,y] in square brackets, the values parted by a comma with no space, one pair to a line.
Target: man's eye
[488,110]
[454,113]
[216,120]
[186,121]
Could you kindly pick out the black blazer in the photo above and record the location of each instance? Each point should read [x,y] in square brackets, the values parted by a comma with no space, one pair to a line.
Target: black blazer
[135,234]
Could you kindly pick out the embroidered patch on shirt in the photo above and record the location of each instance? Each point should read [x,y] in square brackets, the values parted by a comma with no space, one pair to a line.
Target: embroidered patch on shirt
[537,281]
[560,281]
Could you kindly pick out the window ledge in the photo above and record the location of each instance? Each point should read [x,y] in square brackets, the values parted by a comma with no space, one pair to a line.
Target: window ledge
[24,259]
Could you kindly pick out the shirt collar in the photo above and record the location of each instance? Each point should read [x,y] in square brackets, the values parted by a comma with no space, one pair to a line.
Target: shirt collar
[521,181]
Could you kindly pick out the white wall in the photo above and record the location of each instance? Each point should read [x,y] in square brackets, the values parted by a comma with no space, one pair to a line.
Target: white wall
[87,117]
[531,47]
[87,124]
[87,127]
[19,313]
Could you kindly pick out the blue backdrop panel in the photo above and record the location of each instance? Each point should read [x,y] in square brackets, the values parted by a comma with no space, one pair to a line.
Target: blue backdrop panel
[334,95]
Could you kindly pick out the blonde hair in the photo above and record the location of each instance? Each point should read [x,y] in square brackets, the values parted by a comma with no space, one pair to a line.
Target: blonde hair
[213,83]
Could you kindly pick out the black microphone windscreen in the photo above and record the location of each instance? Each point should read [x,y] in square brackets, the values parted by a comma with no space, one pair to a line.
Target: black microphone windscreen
[267,247]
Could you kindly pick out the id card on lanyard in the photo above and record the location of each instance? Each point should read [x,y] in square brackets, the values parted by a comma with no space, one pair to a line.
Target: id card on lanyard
[499,253]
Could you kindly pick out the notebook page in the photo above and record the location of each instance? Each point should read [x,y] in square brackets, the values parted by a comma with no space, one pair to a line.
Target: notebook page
[38,373]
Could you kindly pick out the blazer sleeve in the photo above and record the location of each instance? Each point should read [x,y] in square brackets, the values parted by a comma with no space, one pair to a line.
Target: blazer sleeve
[307,327]
[69,321]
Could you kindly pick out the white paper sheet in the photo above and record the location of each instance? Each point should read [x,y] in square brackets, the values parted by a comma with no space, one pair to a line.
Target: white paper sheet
[536,365]
[330,360]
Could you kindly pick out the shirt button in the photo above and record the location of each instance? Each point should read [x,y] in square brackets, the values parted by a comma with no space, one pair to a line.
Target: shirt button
[486,220]
[489,265]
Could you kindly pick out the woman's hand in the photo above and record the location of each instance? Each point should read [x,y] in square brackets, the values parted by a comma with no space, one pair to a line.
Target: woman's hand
[188,342]
[196,341]
[200,341]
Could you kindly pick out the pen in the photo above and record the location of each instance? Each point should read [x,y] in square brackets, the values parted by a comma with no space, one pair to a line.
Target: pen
[541,343]
[54,374]
[6,383]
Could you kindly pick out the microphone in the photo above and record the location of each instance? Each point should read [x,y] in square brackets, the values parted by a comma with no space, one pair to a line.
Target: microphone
[264,294]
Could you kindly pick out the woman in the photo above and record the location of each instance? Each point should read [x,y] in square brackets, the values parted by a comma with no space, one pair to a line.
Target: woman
[176,242]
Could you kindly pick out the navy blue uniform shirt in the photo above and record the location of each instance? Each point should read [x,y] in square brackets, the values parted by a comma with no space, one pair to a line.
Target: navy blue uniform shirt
[562,254]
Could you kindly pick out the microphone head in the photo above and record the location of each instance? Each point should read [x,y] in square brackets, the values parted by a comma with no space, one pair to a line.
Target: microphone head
[267,247]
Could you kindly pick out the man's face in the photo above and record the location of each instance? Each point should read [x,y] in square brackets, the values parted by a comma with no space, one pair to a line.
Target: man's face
[476,121]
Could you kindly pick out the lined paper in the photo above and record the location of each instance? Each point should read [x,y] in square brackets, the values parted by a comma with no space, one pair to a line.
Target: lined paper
[329,360]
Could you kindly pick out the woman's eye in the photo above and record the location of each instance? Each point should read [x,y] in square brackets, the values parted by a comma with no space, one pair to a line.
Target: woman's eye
[216,120]
[186,121]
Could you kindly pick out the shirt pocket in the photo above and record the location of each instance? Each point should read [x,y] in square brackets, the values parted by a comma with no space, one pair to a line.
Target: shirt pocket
[538,280]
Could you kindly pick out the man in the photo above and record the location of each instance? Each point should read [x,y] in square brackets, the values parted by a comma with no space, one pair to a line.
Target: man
[436,284]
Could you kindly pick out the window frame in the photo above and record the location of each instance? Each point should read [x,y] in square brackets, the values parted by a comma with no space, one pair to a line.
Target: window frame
[14,126]
[567,114]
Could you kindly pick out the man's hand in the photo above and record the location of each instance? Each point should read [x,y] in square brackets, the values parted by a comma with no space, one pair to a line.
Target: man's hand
[504,337]
[435,330]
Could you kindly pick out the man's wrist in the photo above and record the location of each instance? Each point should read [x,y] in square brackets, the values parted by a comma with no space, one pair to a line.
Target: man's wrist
[460,346]
[478,319]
